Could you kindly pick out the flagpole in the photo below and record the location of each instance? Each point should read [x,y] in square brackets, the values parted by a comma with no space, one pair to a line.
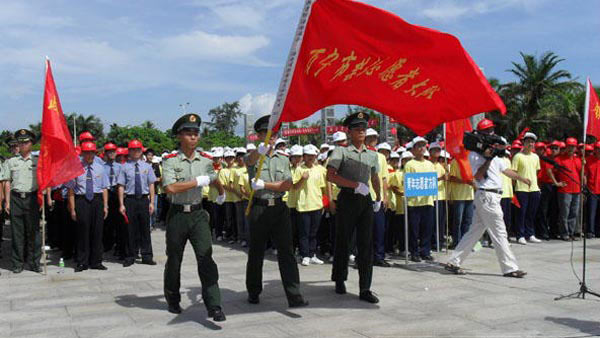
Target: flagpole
[43,222]
[446,185]
[585,124]
[284,85]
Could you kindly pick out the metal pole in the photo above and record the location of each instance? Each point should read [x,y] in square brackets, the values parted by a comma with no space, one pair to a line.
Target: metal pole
[437,224]
[43,223]
[75,129]
[405,229]
[447,188]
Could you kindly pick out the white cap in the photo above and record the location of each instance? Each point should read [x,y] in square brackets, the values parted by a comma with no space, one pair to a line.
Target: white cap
[322,157]
[229,153]
[407,154]
[331,148]
[174,151]
[240,150]
[309,149]
[426,153]
[530,135]
[217,153]
[400,150]
[296,150]
[394,154]
[418,139]
[445,154]
[339,136]
[280,140]
[287,151]
[409,145]
[213,148]
[156,159]
[435,145]
[324,146]
[384,146]
[227,149]
[372,132]
[250,146]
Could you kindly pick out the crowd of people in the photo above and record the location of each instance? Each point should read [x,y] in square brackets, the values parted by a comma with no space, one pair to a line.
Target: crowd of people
[308,208]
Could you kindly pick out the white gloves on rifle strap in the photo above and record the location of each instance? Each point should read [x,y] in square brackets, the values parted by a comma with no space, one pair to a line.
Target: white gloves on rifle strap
[362,189]
[262,149]
[258,184]
[202,181]
[220,199]
[376,206]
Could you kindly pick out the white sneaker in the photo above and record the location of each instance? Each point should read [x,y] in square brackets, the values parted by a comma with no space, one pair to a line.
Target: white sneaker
[331,259]
[533,239]
[306,261]
[315,260]
[352,258]
[522,241]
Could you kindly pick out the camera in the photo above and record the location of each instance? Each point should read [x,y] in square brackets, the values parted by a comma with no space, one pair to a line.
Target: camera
[479,142]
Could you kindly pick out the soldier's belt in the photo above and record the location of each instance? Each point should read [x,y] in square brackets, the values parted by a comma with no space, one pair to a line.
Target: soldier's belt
[137,197]
[23,195]
[186,208]
[271,202]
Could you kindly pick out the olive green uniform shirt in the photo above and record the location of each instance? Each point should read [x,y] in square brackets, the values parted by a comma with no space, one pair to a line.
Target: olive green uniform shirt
[181,169]
[21,173]
[354,164]
[276,168]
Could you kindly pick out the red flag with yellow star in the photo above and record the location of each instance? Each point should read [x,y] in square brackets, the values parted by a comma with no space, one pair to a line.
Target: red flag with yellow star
[58,163]
[592,109]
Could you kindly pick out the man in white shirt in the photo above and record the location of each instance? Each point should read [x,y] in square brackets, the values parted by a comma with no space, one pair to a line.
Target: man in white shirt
[488,170]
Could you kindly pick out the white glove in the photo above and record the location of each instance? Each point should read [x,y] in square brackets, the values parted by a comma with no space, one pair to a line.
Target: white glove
[376,206]
[220,199]
[258,184]
[202,181]
[362,189]
[262,149]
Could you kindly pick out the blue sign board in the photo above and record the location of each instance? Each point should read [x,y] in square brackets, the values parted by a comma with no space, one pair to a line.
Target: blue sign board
[420,184]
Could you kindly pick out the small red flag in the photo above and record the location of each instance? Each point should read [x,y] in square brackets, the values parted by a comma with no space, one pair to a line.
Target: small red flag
[347,52]
[592,110]
[515,201]
[455,131]
[58,162]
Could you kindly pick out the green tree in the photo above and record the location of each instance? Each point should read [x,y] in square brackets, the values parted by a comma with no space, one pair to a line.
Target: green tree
[221,139]
[150,137]
[225,117]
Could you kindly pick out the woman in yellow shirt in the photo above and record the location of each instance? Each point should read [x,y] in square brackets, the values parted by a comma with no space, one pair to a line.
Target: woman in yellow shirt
[435,150]
[231,197]
[295,161]
[309,204]
[240,206]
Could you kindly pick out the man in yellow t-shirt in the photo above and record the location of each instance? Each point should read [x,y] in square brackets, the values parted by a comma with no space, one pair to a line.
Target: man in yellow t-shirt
[421,213]
[383,151]
[309,204]
[435,150]
[231,197]
[507,194]
[240,205]
[217,212]
[527,163]
[296,153]
[461,195]
[390,213]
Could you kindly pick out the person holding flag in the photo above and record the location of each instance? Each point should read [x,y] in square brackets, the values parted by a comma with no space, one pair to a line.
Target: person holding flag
[352,168]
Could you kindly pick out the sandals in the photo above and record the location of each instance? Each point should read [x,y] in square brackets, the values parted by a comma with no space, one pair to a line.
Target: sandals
[455,269]
[516,274]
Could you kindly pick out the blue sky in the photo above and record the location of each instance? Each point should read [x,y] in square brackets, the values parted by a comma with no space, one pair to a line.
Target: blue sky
[131,61]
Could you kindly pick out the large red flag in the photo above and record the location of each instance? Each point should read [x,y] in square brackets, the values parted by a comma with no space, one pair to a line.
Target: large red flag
[58,162]
[347,52]
[455,131]
[592,110]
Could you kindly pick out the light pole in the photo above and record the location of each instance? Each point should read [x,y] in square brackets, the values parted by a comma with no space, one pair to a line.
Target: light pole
[246,125]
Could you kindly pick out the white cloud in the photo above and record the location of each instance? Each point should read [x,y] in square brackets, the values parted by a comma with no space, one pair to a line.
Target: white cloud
[240,16]
[450,10]
[257,106]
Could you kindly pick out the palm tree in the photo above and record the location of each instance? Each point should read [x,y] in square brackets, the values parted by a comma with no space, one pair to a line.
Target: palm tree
[538,81]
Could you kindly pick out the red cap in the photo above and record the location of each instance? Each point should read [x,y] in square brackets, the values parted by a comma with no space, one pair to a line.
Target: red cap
[121,151]
[78,150]
[517,145]
[589,148]
[485,124]
[555,143]
[571,141]
[86,136]
[110,146]
[562,144]
[125,151]
[88,146]
[581,145]
[540,145]
[597,144]
[135,144]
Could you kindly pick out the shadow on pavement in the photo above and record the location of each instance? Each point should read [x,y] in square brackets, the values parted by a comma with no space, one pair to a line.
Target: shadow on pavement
[585,326]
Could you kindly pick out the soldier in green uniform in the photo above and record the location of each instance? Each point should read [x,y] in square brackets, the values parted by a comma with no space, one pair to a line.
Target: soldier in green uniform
[13,148]
[270,219]
[351,168]
[184,175]
[20,190]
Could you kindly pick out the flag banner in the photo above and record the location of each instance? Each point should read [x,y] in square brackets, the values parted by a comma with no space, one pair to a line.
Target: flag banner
[592,111]
[455,131]
[58,162]
[347,52]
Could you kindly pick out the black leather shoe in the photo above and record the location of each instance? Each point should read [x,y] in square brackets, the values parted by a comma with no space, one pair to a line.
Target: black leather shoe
[253,299]
[80,268]
[428,258]
[415,259]
[99,267]
[17,270]
[340,288]
[382,264]
[297,302]
[128,262]
[217,314]
[175,308]
[37,269]
[368,296]
[148,262]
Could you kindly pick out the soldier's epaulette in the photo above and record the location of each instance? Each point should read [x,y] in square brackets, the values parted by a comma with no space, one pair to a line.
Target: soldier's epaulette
[206,155]
[171,156]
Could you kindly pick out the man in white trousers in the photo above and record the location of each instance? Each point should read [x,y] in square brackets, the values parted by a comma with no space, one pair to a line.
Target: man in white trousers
[488,170]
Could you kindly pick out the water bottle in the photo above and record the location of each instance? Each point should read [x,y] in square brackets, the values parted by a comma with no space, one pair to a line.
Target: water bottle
[61,266]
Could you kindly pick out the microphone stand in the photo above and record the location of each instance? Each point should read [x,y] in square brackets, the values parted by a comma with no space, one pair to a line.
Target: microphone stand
[583,289]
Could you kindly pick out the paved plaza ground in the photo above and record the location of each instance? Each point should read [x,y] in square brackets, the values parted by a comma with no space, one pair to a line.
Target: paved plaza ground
[421,301]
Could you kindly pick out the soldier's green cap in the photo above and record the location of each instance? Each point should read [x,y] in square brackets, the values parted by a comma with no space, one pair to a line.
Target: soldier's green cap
[12,141]
[24,135]
[262,124]
[188,121]
[357,120]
